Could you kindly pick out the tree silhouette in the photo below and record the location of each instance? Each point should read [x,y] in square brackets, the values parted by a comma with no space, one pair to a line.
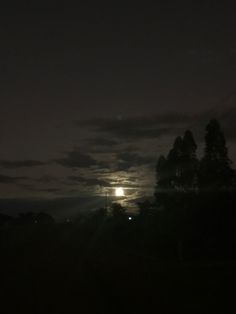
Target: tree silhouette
[26,218]
[117,210]
[5,219]
[162,173]
[178,172]
[175,164]
[44,218]
[189,177]
[163,184]
[215,166]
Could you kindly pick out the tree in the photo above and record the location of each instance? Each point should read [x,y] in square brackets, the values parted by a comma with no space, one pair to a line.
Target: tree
[26,218]
[117,210]
[178,173]
[168,174]
[5,219]
[189,178]
[145,208]
[162,173]
[175,164]
[44,218]
[215,167]
[162,182]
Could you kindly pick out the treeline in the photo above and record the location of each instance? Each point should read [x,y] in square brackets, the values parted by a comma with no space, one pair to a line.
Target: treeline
[181,170]
[27,218]
[195,198]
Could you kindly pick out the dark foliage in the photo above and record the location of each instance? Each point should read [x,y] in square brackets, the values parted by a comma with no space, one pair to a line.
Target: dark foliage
[215,168]
[195,199]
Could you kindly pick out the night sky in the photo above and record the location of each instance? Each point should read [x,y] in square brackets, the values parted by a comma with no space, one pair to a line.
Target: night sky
[90,96]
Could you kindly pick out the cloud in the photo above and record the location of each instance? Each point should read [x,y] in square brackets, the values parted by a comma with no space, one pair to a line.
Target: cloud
[88,181]
[99,141]
[46,179]
[126,160]
[140,127]
[9,179]
[134,158]
[52,190]
[151,127]
[20,163]
[75,159]
[49,190]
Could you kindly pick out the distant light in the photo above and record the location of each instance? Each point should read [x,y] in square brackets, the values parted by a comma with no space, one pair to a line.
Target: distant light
[130,218]
[120,192]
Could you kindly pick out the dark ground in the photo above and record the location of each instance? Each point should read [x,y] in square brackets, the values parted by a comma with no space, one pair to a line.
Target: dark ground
[48,276]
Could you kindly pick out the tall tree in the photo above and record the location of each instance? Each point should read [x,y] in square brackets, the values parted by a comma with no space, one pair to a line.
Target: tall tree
[162,173]
[162,181]
[215,167]
[175,164]
[190,162]
[169,171]
[168,174]
[177,172]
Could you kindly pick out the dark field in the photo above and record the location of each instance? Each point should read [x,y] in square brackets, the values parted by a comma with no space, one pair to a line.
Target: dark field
[45,271]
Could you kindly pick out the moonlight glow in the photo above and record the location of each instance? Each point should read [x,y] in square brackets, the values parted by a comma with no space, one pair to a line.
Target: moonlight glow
[119,192]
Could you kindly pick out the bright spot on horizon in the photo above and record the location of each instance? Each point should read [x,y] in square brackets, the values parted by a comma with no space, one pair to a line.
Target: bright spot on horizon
[130,218]
[120,192]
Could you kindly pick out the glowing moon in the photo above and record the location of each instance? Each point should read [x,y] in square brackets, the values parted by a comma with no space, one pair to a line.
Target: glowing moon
[120,192]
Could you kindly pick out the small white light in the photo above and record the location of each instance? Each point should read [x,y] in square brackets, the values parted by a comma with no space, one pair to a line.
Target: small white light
[130,218]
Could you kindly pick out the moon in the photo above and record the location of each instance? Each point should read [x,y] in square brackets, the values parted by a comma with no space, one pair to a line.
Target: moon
[119,192]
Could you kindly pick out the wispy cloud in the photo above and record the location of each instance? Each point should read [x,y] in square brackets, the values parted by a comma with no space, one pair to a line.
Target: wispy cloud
[9,179]
[103,142]
[126,160]
[139,127]
[88,181]
[76,159]
[20,163]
